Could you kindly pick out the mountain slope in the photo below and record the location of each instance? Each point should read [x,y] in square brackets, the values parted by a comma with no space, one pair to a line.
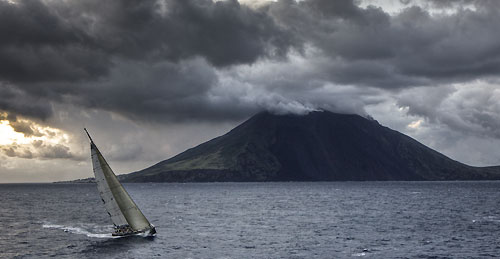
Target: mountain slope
[320,146]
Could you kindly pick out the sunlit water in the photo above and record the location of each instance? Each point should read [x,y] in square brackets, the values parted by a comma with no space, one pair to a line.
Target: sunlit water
[259,220]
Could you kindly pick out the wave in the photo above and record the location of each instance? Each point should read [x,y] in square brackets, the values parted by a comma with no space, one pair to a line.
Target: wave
[493,219]
[78,230]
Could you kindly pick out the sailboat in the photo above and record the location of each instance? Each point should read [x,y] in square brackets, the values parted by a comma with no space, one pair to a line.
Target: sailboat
[124,213]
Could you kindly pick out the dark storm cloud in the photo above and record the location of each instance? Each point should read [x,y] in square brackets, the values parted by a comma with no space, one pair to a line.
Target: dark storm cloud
[460,46]
[36,45]
[25,127]
[224,33]
[14,151]
[70,41]
[473,109]
[17,101]
[169,60]
[156,92]
[101,53]
[410,48]
[40,150]
[342,8]
[55,151]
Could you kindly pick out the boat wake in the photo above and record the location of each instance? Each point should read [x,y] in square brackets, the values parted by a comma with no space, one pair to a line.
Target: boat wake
[78,230]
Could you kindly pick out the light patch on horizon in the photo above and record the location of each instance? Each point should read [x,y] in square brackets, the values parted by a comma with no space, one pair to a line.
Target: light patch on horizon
[25,139]
[9,135]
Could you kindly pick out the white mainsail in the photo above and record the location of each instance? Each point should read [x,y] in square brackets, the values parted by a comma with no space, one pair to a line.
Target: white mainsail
[121,208]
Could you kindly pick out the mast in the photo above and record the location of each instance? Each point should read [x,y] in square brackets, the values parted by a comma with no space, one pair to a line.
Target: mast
[119,205]
[88,135]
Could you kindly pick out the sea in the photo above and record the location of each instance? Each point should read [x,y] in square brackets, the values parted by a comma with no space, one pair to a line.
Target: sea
[258,220]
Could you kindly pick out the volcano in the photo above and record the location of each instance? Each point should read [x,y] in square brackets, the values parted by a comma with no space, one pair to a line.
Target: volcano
[319,146]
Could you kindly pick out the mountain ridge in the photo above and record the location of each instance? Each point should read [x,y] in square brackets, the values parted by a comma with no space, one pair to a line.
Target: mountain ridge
[319,146]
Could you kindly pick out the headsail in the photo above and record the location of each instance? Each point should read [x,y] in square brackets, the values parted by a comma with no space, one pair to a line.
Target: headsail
[121,208]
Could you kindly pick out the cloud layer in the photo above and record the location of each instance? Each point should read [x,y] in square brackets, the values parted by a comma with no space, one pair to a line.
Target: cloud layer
[169,57]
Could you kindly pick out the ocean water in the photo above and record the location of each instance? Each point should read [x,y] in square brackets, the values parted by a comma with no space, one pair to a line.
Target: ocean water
[258,220]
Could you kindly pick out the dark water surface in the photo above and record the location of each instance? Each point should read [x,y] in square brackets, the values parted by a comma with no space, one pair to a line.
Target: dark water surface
[259,220]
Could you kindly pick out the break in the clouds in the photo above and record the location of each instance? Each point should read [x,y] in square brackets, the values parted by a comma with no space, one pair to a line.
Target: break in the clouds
[428,68]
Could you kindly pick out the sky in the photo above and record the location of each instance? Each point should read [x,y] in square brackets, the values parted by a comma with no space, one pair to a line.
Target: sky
[150,79]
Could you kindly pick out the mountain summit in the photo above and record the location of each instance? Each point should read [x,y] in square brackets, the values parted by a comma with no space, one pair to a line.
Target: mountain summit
[319,146]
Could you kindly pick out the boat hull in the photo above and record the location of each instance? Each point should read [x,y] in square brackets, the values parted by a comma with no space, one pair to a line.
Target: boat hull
[148,232]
